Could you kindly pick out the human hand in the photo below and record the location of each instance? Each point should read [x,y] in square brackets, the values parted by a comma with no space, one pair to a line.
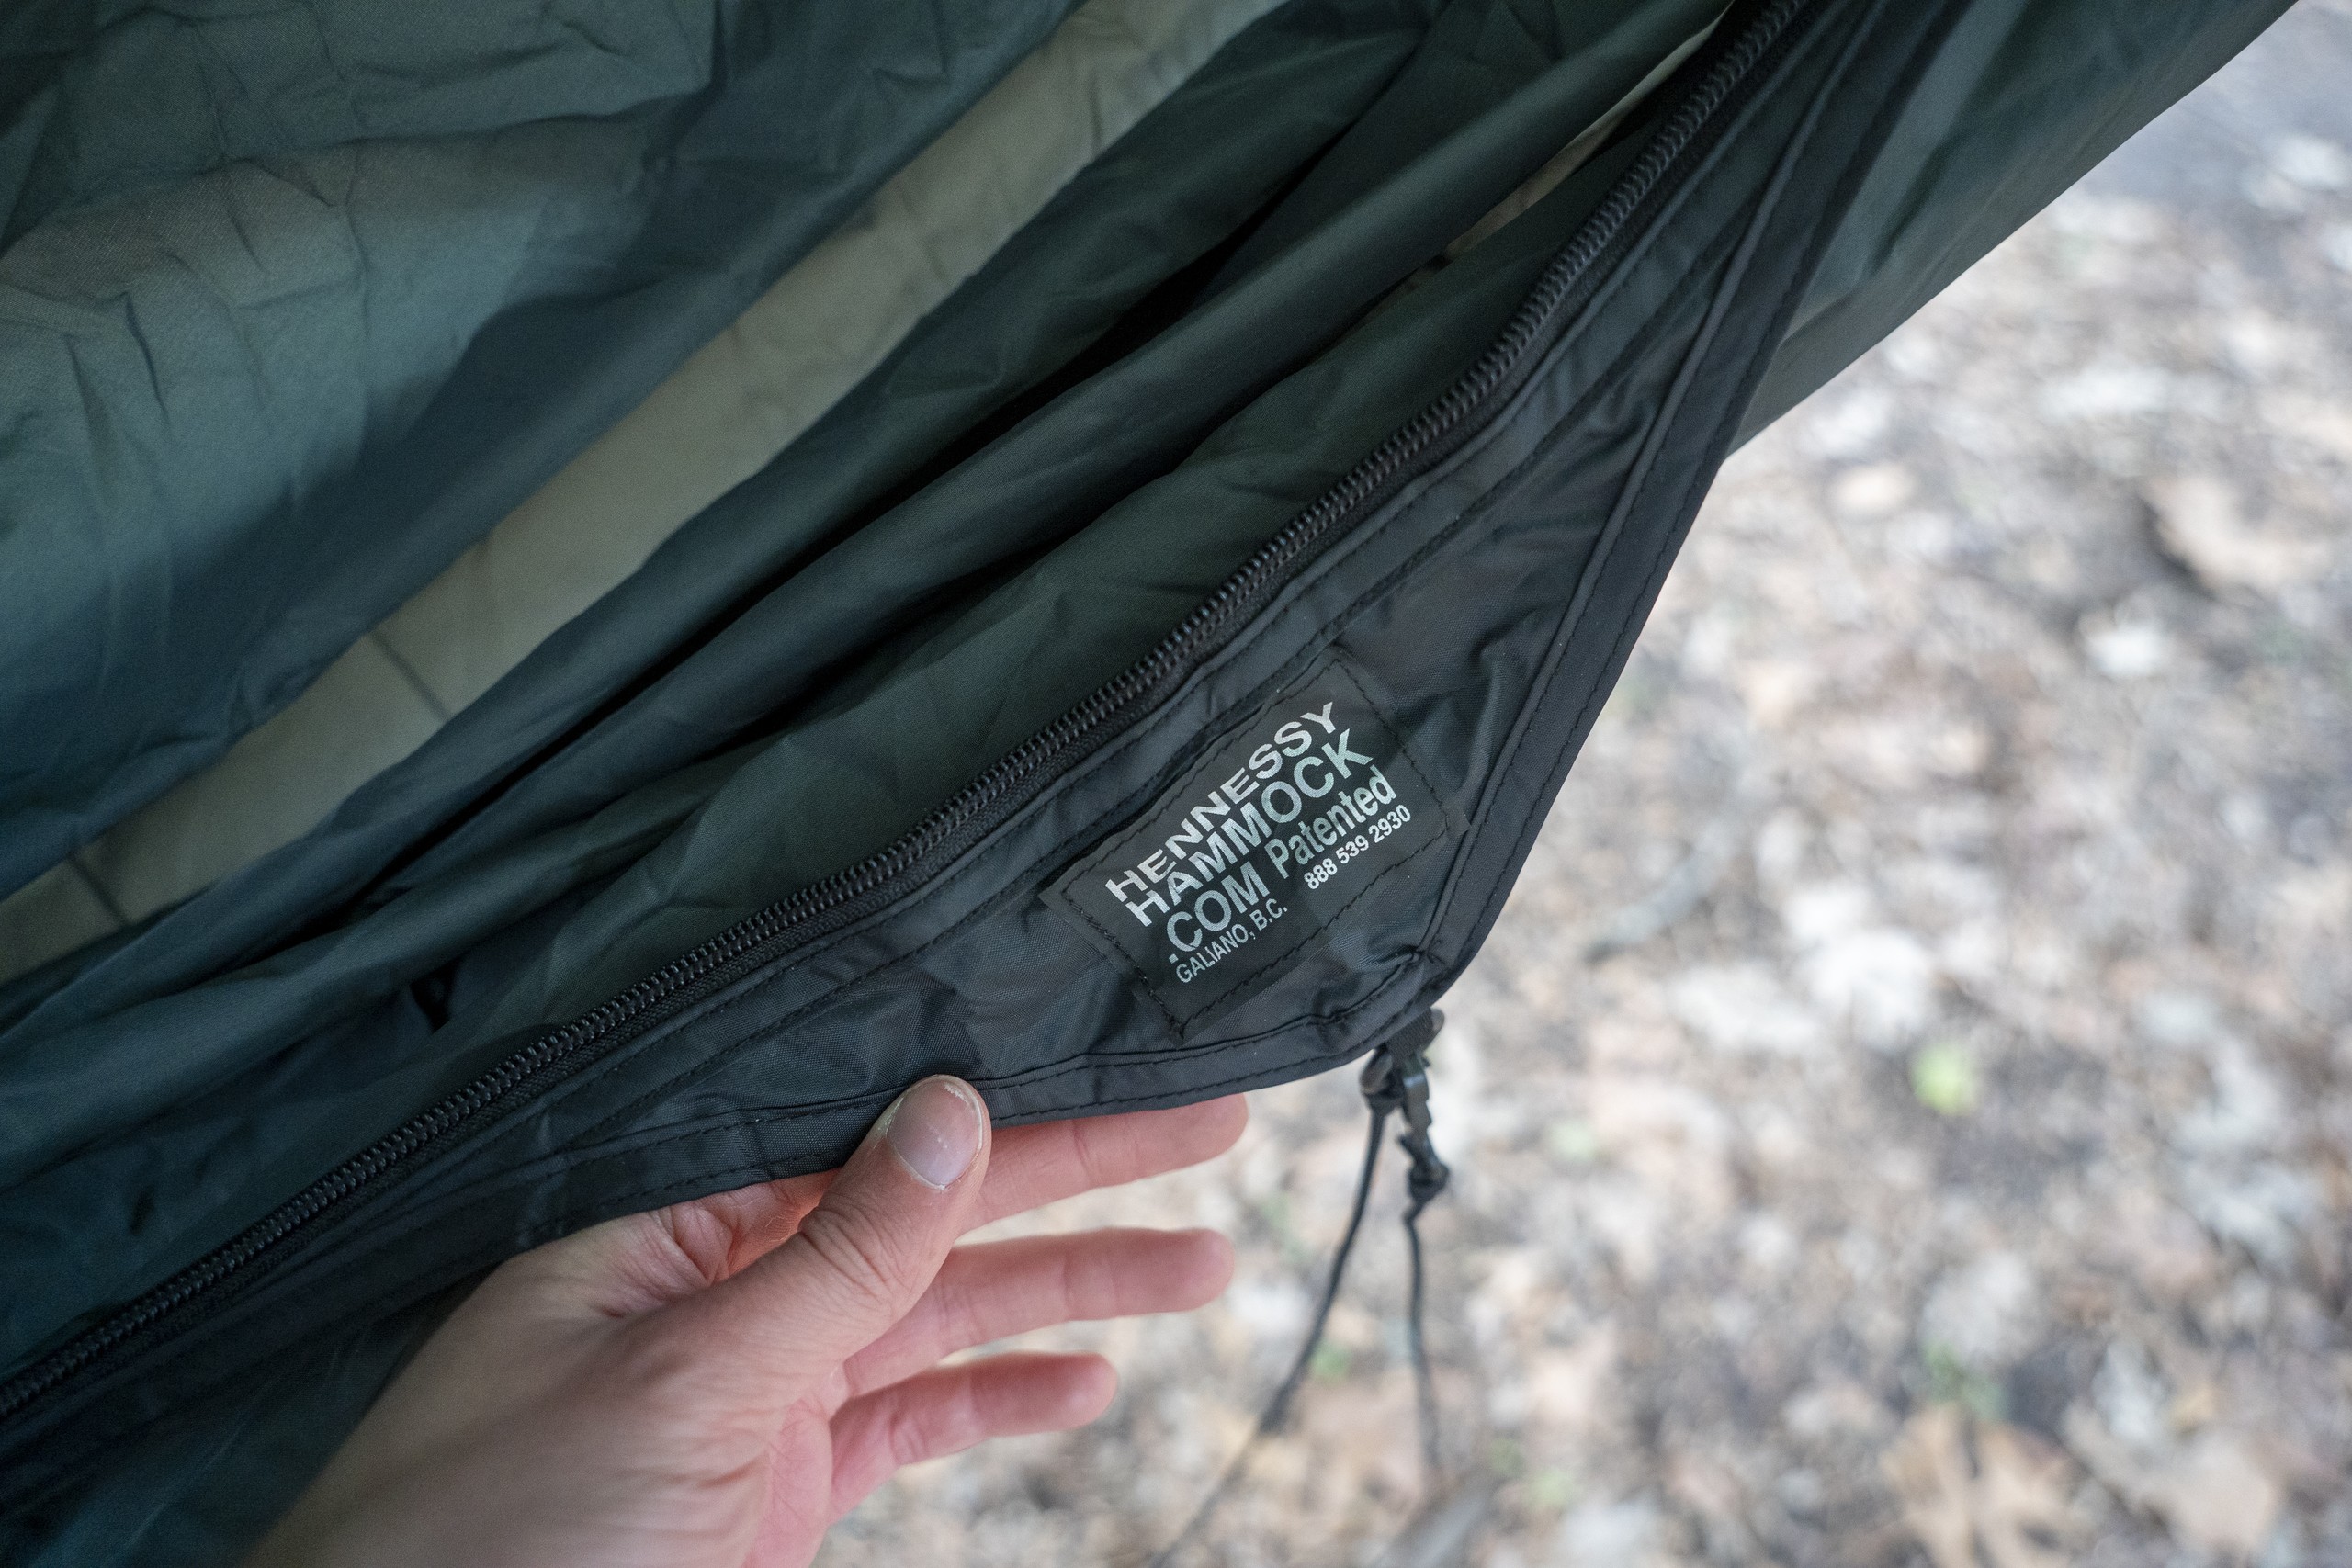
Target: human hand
[712,1384]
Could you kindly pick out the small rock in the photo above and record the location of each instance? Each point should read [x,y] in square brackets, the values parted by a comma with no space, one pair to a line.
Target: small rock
[1874,491]
[1741,1010]
[1927,538]
[2320,421]
[1986,1313]
[1801,1492]
[2125,648]
[2217,1495]
[1836,1409]
[2245,817]
[1571,1392]
[2336,244]
[1274,1311]
[1959,748]
[2274,192]
[2248,1109]
[2312,162]
[2165,1250]
[1781,848]
[1675,1141]
[1610,1535]
[1630,1222]
[1878,979]
[2132,1398]
[1822,912]
[2263,1208]
[2258,342]
[1572,1141]
[1881,979]
[2108,390]
[2117,221]
[2177,1017]
[1774,689]
[2200,526]
[1914,355]
[1767,1245]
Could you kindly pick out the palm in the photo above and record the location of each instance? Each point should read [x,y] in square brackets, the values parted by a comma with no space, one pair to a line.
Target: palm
[641,1394]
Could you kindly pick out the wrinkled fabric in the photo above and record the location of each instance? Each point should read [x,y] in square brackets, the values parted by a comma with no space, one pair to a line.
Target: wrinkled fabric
[713,422]
[253,408]
[1245,298]
[121,97]
[1051,291]
[2021,103]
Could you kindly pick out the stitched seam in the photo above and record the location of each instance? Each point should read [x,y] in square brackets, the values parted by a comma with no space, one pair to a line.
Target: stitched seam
[1045,1074]
[1325,565]
[1137,736]
[1660,554]
[1314,644]
[1605,545]
[759,1171]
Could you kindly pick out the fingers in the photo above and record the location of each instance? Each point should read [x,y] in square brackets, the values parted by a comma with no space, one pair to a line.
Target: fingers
[858,1261]
[639,1262]
[629,1266]
[991,1289]
[947,1410]
[1038,1164]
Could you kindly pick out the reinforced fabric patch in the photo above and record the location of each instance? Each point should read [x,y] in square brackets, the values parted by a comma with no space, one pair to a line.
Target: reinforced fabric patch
[1252,857]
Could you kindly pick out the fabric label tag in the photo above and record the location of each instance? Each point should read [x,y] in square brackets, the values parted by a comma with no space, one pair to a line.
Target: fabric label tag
[1249,860]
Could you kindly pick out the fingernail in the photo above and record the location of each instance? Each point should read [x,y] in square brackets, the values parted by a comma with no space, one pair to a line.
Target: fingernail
[934,1129]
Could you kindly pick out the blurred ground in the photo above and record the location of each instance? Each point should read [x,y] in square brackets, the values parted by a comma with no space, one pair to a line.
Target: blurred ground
[1903,1116]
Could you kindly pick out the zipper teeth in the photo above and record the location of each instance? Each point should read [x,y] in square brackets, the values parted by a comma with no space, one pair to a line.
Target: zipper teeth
[1492,372]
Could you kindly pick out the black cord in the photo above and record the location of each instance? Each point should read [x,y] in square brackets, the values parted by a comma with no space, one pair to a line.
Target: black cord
[1277,1411]
[1395,1079]
[1424,1384]
[1404,1084]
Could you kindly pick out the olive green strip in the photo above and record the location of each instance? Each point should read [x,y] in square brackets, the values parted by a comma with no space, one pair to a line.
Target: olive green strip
[1572,157]
[718,419]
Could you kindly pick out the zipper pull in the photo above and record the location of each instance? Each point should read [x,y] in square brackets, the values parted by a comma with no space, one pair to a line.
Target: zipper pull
[1397,1081]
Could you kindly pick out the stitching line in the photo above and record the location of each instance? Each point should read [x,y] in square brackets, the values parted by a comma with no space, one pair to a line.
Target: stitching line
[1323,568]
[1652,570]
[427,1214]
[1102,761]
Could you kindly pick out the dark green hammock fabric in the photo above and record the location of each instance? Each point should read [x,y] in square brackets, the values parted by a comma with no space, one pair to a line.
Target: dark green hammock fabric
[299,299]
[297,302]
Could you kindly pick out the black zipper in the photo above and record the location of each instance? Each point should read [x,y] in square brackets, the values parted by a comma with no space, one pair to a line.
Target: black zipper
[214,1281]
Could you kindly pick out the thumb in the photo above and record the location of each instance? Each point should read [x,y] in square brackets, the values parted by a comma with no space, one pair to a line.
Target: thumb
[861,1258]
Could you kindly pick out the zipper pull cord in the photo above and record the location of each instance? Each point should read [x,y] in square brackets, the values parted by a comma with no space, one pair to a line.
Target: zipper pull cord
[1396,1078]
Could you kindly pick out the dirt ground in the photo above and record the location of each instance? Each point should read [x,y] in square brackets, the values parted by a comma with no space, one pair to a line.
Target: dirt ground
[1902,1115]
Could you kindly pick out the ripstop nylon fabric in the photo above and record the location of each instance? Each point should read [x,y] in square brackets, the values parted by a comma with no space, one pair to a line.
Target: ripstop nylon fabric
[1055,435]
[297,306]
[715,420]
